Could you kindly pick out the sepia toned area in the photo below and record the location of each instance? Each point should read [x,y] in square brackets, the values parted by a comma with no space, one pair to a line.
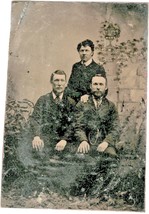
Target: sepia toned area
[43,38]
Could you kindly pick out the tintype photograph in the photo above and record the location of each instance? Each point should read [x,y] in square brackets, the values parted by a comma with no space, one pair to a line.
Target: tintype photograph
[75,114]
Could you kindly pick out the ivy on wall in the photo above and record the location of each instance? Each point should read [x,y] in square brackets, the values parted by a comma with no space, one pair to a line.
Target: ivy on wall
[123,53]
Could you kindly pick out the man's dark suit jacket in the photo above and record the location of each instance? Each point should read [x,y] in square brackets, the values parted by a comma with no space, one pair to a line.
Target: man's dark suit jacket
[105,119]
[52,121]
[79,81]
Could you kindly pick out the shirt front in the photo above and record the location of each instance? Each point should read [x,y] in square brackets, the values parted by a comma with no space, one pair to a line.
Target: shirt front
[98,102]
[60,97]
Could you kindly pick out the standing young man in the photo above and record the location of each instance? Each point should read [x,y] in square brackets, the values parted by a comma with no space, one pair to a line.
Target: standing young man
[82,71]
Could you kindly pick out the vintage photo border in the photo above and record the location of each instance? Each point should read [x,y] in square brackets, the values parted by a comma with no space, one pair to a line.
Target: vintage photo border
[4,42]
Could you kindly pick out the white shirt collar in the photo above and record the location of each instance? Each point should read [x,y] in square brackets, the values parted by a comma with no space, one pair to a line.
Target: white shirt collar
[54,95]
[88,62]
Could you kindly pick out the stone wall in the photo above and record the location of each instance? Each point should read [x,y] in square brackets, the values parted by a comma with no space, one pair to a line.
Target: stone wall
[132,87]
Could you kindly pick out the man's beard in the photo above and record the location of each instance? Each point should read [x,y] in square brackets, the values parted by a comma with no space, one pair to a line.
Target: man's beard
[99,95]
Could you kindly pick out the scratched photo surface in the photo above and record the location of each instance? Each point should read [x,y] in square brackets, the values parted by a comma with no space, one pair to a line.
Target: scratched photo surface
[62,152]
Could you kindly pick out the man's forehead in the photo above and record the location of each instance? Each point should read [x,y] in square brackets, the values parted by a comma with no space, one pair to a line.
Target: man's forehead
[85,47]
[59,76]
[98,79]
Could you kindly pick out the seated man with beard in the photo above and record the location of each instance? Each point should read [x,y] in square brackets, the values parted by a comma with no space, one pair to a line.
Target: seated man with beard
[97,131]
[97,123]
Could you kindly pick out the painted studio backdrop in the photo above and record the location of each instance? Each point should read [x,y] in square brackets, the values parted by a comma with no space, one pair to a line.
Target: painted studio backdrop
[44,38]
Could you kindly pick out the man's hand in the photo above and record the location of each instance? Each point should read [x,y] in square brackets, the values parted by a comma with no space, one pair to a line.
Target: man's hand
[102,146]
[84,147]
[84,98]
[61,145]
[37,143]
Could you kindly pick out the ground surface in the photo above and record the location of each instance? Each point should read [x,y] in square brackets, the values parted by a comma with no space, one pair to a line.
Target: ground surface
[27,193]
[55,201]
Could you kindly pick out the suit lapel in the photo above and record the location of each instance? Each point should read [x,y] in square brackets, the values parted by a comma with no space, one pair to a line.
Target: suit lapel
[91,103]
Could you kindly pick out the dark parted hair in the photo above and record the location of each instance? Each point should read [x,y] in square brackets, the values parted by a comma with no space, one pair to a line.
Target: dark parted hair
[86,42]
[60,72]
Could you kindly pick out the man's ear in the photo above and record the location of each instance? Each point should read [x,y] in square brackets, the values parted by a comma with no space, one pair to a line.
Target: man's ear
[90,86]
[92,53]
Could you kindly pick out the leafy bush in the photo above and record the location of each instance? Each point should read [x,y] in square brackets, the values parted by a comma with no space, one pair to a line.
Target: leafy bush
[16,118]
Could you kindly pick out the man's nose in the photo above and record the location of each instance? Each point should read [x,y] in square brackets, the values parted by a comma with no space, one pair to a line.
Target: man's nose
[98,87]
[59,82]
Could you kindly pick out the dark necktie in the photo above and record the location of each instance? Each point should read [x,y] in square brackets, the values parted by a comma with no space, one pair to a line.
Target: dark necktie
[83,63]
[57,99]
